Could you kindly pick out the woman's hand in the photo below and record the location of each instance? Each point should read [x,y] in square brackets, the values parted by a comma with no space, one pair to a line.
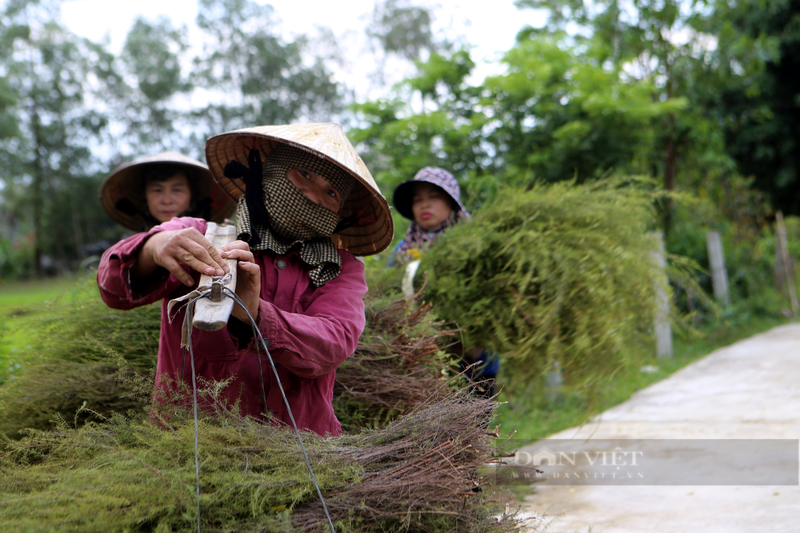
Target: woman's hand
[168,249]
[248,279]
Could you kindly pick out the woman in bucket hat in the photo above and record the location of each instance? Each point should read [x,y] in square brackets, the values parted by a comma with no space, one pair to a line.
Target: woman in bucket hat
[432,201]
[306,206]
[150,190]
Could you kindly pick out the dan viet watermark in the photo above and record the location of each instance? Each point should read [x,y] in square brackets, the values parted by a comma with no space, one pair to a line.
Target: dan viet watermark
[657,462]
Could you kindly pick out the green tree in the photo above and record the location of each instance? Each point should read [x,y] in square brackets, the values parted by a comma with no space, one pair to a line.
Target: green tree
[758,57]
[556,113]
[252,76]
[658,42]
[402,29]
[52,73]
[153,79]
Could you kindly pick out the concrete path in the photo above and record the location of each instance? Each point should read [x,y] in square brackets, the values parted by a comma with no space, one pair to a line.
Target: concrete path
[749,390]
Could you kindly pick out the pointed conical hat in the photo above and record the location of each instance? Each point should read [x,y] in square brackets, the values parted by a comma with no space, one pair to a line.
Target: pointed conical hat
[374,230]
[123,189]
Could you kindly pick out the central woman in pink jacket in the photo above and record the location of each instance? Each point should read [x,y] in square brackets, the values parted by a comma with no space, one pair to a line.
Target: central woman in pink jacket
[306,206]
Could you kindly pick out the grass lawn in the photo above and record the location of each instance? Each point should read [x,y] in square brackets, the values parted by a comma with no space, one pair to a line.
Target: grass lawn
[20,300]
[534,417]
[21,297]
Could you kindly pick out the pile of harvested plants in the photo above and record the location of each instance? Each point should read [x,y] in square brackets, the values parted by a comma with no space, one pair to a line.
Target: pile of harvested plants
[81,451]
[399,363]
[422,472]
[75,353]
[558,276]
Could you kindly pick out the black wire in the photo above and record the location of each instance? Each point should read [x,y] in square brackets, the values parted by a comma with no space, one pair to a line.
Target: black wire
[257,332]
[285,400]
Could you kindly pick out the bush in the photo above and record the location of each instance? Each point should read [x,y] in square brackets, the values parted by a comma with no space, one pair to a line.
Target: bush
[558,274]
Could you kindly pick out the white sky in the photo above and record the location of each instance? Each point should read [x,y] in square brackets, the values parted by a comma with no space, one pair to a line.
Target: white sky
[489,27]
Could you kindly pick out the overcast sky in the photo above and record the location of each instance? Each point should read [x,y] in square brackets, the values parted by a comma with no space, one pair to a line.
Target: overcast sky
[490,30]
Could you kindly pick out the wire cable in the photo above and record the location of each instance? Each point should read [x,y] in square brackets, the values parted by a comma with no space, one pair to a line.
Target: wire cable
[262,342]
[285,400]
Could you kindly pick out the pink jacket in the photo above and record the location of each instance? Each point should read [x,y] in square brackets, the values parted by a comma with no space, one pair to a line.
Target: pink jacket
[310,331]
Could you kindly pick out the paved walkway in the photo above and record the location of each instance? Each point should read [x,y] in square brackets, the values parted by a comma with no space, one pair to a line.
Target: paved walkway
[749,390]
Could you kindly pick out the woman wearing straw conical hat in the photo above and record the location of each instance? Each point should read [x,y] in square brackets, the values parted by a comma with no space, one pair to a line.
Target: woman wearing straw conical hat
[307,205]
[154,189]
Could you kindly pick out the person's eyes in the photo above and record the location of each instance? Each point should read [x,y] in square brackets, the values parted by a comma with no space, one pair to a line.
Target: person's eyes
[332,193]
[305,174]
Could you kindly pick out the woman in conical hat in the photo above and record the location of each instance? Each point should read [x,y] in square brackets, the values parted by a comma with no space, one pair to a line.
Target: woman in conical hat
[150,190]
[306,206]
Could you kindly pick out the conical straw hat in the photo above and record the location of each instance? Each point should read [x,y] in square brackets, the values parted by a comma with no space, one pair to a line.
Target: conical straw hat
[122,192]
[374,230]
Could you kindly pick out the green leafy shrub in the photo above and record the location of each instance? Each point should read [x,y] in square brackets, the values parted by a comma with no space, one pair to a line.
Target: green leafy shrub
[558,273]
[128,474]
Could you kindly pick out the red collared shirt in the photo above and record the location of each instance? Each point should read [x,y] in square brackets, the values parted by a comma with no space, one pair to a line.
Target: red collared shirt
[311,331]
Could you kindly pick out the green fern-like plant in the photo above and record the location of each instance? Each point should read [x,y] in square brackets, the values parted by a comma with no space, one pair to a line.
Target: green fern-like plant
[561,273]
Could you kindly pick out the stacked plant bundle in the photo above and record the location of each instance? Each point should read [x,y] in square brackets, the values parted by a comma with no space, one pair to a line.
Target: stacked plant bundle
[398,365]
[422,472]
[78,345]
[71,359]
[557,274]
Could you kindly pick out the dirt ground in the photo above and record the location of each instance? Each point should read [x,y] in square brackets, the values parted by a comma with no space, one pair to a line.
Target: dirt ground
[749,390]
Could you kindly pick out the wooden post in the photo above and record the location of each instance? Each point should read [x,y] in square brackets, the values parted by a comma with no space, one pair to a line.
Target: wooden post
[787,262]
[661,324]
[555,381]
[212,315]
[716,260]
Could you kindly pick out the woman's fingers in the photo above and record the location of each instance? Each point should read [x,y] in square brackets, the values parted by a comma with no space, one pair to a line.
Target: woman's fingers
[248,288]
[206,260]
[238,254]
[176,270]
[235,245]
[203,251]
[190,247]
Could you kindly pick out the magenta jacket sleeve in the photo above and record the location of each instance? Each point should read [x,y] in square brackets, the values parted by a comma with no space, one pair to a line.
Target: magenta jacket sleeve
[314,343]
[114,272]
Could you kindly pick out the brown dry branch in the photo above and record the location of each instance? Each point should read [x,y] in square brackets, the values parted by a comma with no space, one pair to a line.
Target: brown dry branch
[398,365]
[422,470]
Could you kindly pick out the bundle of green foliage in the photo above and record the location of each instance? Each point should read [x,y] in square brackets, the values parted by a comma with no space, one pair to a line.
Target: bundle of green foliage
[560,273]
[420,473]
[72,359]
[79,344]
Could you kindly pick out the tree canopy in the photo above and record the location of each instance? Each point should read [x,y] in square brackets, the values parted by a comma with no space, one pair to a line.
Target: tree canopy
[699,94]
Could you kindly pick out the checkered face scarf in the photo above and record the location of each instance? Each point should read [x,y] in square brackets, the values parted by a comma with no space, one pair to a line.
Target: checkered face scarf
[294,221]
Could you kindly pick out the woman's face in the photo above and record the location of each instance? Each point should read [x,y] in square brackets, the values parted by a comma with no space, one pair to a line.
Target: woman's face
[430,205]
[168,198]
[316,188]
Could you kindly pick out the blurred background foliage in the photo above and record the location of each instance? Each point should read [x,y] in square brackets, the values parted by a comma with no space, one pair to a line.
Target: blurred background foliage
[699,94]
